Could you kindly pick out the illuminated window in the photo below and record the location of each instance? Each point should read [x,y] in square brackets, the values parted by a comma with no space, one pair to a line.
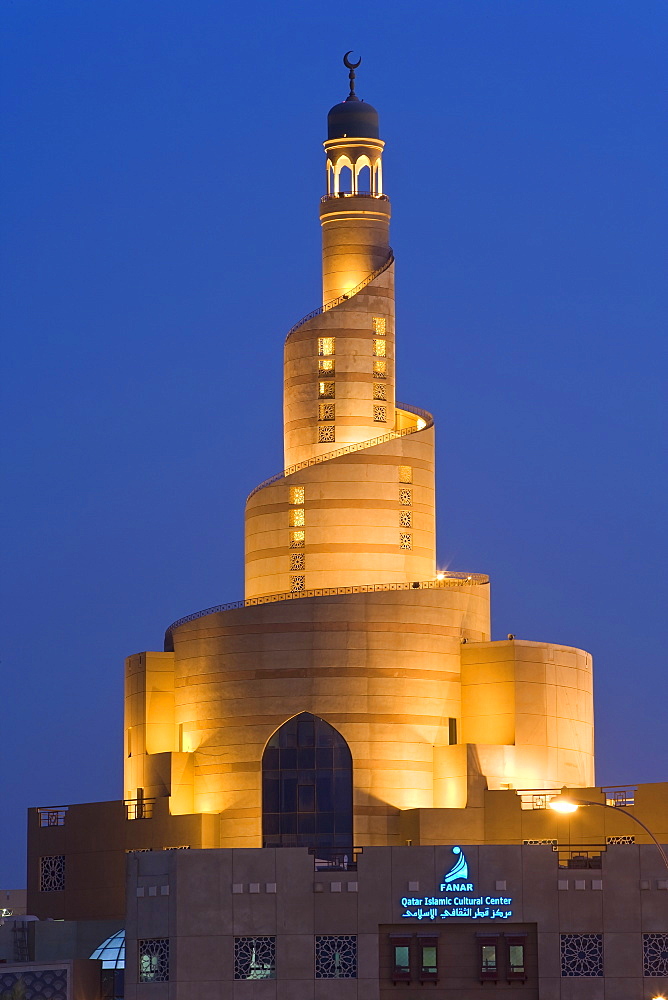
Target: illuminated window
[297,494]
[406,497]
[297,517]
[297,539]
[379,390]
[405,474]
[153,954]
[336,956]
[52,873]
[405,541]
[380,414]
[326,411]
[297,561]
[379,369]
[401,957]
[405,518]
[488,957]
[428,957]
[326,366]
[379,325]
[379,348]
[297,583]
[325,346]
[326,434]
[515,956]
[326,390]
[255,958]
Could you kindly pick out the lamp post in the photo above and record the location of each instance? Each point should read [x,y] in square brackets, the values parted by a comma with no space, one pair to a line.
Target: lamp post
[566,805]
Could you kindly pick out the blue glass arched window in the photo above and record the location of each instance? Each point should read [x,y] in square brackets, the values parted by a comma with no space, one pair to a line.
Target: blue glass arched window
[307,787]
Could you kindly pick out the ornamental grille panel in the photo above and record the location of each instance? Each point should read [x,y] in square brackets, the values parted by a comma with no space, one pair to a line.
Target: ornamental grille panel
[379,326]
[655,955]
[540,843]
[380,414]
[380,390]
[297,539]
[379,369]
[336,956]
[379,348]
[326,434]
[52,873]
[45,984]
[326,346]
[297,583]
[620,840]
[297,494]
[581,954]
[326,411]
[255,958]
[406,497]
[153,956]
[405,518]
[297,517]
[405,541]
[326,366]
[326,390]
[297,561]
[405,474]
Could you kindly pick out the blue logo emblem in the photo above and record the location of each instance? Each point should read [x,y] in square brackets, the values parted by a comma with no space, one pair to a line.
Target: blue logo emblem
[459,871]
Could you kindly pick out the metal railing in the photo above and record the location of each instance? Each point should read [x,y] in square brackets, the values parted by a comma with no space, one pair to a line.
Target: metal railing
[537,798]
[446,580]
[343,298]
[139,808]
[354,194]
[52,815]
[335,859]
[620,796]
[585,856]
[348,448]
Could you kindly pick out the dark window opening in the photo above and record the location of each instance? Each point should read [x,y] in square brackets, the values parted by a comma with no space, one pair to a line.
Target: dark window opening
[307,789]
[452,731]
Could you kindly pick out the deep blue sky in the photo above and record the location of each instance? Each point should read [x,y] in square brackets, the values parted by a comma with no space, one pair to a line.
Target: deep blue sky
[161,235]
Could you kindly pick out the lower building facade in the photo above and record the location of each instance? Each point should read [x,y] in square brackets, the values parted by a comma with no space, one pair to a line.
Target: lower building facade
[449,921]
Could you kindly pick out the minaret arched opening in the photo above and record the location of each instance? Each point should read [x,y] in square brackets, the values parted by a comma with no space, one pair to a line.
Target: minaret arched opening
[307,788]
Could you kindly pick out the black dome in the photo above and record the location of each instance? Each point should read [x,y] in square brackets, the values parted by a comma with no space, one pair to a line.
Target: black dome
[353,118]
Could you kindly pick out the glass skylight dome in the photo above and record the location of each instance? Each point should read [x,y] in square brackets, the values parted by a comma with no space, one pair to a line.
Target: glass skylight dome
[112,951]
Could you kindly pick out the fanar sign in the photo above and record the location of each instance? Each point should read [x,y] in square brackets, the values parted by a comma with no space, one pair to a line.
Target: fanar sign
[457,898]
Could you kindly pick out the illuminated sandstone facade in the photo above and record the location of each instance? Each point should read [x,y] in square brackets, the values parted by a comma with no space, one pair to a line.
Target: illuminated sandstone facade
[346,616]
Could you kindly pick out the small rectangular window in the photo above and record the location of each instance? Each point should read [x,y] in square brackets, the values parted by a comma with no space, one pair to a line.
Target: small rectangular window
[379,325]
[297,561]
[297,494]
[380,414]
[326,366]
[515,957]
[488,957]
[297,539]
[379,348]
[326,346]
[401,957]
[326,390]
[405,474]
[326,411]
[153,954]
[326,434]
[428,957]
[380,369]
[297,517]
[297,583]
[452,732]
[406,518]
[406,497]
[255,958]
[405,541]
[379,390]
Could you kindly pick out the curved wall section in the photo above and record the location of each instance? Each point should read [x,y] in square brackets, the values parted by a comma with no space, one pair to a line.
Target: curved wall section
[383,668]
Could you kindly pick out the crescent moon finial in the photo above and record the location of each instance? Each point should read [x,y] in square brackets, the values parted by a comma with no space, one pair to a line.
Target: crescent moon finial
[351,75]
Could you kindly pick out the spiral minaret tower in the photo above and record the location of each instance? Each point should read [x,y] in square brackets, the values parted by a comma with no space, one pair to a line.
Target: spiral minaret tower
[348,634]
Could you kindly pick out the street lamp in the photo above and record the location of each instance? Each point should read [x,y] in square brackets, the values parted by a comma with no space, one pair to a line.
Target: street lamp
[562,804]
